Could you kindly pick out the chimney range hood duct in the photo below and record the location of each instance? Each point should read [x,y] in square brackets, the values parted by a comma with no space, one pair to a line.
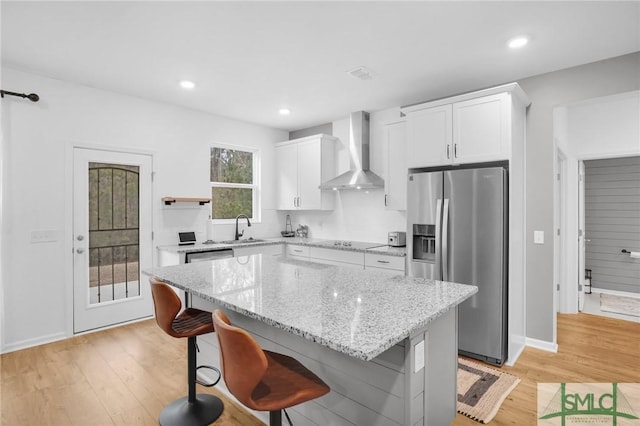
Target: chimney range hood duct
[359,176]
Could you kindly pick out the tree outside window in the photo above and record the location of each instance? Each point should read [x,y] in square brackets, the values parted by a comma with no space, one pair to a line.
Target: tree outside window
[233,183]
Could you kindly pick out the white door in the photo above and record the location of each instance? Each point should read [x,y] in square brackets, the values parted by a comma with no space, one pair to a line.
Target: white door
[581,236]
[309,175]
[111,237]
[287,176]
[429,137]
[395,181]
[480,129]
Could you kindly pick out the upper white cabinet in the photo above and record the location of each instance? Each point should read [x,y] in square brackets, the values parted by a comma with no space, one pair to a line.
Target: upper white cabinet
[471,128]
[429,140]
[395,182]
[303,164]
[480,129]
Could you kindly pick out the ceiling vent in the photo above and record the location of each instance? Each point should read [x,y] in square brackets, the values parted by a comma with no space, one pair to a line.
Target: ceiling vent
[361,73]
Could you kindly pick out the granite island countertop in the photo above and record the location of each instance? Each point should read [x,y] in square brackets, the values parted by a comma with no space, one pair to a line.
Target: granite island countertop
[357,312]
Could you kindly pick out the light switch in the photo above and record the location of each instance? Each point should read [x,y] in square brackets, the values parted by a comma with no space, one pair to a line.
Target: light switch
[419,356]
[538,237]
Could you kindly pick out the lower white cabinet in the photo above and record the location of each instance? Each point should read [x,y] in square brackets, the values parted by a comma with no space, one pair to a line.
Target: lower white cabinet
[268,250]
[336,257]
[293,250]
[384,263]
[349,258]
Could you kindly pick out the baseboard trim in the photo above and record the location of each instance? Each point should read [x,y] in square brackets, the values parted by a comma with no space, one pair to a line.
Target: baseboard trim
[37,341]
[513,358]
[50,338]
[615,292]
[541,344]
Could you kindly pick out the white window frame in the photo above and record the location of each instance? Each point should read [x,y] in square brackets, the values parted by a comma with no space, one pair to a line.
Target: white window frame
[256,198]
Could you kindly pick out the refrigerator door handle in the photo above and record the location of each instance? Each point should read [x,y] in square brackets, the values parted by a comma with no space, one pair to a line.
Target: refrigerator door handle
[437,272]
[445,238]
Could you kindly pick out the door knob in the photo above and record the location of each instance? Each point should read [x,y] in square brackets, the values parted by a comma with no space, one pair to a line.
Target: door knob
[80,250]
[80,237]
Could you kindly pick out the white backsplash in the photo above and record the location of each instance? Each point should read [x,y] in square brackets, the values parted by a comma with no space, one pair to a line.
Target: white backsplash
[358,216]
[181,219]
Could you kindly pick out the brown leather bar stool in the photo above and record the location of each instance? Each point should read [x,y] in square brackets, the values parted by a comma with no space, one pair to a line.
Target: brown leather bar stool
[194,409]
[263,380]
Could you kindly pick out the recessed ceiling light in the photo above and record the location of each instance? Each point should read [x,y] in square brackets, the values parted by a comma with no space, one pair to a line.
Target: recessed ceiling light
[518,42]
[186,84]
[284,111]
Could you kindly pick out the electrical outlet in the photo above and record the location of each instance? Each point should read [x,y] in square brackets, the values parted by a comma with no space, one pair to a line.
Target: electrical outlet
[419,356]
[44,236]
[538,237]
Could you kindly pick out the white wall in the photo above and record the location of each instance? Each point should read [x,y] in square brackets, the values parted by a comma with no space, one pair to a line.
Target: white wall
[36,193]
[546,92]
[358,215]
[605,127]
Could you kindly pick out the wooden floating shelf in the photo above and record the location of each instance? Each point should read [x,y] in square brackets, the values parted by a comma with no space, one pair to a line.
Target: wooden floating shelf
[170,200]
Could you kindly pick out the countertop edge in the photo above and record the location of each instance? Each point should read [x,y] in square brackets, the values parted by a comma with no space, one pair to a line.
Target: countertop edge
[200,247]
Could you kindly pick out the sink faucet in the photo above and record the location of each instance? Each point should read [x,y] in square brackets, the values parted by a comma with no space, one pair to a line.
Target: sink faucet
[239,234]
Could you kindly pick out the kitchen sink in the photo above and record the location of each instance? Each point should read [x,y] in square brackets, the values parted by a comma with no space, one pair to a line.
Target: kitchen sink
[249,240]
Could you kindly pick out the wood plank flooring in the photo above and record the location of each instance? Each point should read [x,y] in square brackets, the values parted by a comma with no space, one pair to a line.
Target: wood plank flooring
[125,375]
[591,349]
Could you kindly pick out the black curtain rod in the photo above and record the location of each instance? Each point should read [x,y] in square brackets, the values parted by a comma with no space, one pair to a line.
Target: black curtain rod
[32,96]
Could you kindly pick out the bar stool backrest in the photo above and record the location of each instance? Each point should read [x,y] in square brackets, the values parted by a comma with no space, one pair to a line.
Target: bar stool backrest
[167,305]
[243,361]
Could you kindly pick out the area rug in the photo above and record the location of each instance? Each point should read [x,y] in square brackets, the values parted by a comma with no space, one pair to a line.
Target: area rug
[481,390]
[620,304]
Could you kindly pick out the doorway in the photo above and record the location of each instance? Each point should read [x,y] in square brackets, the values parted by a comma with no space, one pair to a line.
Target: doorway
[611,211]
[112,239]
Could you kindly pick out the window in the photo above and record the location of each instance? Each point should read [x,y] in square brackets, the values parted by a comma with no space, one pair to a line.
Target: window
[234,183]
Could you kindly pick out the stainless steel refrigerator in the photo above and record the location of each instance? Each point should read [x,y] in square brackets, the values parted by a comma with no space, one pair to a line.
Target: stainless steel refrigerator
[457,230]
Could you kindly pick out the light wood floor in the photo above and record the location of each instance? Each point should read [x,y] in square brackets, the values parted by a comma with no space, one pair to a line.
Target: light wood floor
[125,375]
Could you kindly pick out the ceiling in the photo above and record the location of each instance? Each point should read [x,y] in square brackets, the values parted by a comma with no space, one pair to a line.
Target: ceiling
[249,59]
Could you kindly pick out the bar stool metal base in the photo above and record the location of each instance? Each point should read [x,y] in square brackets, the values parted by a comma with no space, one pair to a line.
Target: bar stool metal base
[203,411]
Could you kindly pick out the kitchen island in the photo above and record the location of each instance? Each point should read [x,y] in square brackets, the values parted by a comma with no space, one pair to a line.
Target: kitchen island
[386,345]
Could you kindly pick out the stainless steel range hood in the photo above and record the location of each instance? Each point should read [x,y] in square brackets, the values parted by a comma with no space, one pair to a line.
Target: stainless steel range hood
[359,176]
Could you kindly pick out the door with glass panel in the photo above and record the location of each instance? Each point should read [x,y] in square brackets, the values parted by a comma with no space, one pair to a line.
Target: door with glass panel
[111,237]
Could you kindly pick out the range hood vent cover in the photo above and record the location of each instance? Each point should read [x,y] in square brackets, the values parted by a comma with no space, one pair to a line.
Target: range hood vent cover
[359,176]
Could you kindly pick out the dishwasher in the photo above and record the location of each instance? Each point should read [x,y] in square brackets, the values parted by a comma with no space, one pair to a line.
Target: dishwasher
[201,256]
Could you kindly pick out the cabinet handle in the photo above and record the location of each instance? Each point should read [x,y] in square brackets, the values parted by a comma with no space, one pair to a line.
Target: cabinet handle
[385,200]
[455,150]
[298,251]
[383,261]
[448,153]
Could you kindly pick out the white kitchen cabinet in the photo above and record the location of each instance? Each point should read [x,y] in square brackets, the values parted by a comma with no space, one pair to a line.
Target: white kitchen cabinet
[287,176]
[472,128]
[297,251]
[480,129]
[303,164]
[429,137]
[395,181]
[271,250]
[337,257]
[385,263]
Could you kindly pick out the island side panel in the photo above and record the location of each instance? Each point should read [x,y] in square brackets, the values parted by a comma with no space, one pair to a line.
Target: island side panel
[362,392]
[441,394]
